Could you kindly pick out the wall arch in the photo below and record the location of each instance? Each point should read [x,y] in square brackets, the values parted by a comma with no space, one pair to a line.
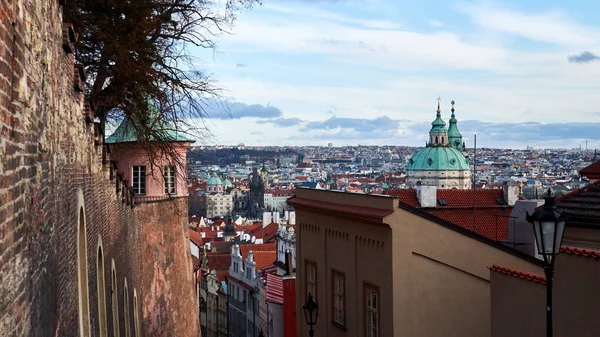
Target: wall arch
[101,285]
[136,317]
[82,269]
[126,309]
[114,298]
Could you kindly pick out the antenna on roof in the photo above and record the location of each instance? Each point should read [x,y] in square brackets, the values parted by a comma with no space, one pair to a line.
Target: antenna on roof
[473,186]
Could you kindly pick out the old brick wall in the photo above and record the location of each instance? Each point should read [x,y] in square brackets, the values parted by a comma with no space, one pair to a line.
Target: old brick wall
[49,151]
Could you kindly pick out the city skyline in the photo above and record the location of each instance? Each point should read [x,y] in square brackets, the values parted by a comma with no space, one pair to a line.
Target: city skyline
[349,72]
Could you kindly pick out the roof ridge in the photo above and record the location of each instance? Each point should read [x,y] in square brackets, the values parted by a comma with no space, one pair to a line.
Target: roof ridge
[581,252]
[517,273]
[577,191]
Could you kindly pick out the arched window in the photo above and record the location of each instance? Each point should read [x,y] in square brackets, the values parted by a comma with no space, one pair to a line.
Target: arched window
[442,140]
[126,309]
[82,269]
[136,317]
[436,139]
[114,299]
[101,289]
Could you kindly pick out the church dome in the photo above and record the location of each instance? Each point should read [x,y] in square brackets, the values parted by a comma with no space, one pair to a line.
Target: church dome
[227,183]
[214,180]
[438,158]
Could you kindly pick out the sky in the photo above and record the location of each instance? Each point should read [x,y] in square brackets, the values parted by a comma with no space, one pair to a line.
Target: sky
[308,72]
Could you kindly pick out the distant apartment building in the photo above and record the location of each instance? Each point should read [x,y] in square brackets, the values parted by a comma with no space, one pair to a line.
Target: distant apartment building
[379,267]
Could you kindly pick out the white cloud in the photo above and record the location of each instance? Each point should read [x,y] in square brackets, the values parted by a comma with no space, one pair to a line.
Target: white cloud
[435,23]
[550,26]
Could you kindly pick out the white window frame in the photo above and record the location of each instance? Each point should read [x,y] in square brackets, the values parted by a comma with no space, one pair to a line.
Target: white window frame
[170,175]
[136,181]
[372,320]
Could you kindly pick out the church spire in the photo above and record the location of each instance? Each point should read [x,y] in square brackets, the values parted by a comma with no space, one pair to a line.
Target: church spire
[454,136]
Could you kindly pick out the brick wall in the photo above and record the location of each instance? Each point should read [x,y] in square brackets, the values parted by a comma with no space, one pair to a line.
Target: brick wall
[49,151]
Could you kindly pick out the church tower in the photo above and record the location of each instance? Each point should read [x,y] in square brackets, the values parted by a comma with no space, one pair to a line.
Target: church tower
[440,163]
[454,136]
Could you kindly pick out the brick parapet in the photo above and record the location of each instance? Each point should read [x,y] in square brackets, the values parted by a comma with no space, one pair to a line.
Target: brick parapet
[49,149]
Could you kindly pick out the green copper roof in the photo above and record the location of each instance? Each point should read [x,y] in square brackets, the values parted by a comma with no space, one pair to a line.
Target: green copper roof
[438,125]
[438,158]
[227,182]
[214,180]
[126,131]
[454,136]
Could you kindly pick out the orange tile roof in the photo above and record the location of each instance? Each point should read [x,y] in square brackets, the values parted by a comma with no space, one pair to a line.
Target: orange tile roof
[489,219]
[524,275]
[219,261]
[256,248]
[264,258]
[592,171]
[195,237]
[581,252]
[267,233]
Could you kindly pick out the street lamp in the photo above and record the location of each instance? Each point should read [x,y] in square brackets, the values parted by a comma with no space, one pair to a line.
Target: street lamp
[311,313]
[548,228]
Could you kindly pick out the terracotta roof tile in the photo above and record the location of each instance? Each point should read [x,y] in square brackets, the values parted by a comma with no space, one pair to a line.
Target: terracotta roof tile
[524,275]
[582,206]
[195,237]
[491,219]
[592,171]
[581,252]
[244,249]
[219,261]
[264,259]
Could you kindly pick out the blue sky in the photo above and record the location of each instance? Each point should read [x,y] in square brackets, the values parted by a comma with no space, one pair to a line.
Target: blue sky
[522,73]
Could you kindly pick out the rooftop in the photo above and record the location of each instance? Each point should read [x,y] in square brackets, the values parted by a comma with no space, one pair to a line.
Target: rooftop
[582,206]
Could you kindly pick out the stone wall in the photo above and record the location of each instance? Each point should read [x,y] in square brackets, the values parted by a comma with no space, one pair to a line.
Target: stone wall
[50,153]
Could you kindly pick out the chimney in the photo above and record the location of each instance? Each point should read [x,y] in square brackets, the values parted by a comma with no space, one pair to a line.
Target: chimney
[510,192]
[288,262]
[250,256]
[276,217]
[427,195]
[266,219]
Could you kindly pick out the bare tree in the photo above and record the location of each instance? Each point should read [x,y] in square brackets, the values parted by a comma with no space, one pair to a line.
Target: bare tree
[135,54]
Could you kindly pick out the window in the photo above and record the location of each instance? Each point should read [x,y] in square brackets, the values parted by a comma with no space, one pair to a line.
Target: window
[371,311]
[338,293]
[249,273]
[311,279]
[139,180]
[170,180]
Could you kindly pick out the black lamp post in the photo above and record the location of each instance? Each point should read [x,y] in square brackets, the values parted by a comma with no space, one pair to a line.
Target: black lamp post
[311,312]
[548,228]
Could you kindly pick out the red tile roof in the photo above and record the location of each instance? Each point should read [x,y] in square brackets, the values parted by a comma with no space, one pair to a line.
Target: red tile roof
[581,252]
[582,206]
[264,259]
[524,275]
[274,288]
[222,275]
[244,249]
[195,237]
[281,192]
[219,261]
[301,178]
[267,233]
[364,212]
[592,171]
[491,219]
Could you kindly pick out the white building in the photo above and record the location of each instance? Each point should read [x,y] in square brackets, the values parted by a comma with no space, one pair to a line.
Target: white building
[276,200]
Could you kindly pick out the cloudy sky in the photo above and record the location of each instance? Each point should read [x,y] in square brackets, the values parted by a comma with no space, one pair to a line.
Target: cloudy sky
[522,72]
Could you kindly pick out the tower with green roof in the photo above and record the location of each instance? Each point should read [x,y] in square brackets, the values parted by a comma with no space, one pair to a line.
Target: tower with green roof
[454,136]
[440,163]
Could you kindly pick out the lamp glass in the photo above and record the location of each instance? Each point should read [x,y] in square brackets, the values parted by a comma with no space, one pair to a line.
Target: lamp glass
[560,230]
[548,229]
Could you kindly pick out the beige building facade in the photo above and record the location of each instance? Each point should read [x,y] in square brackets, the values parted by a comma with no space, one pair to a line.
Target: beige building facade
[377,269]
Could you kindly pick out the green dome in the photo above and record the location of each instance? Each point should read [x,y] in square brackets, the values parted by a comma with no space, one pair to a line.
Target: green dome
[227,182]
[438,158]
[214,180]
